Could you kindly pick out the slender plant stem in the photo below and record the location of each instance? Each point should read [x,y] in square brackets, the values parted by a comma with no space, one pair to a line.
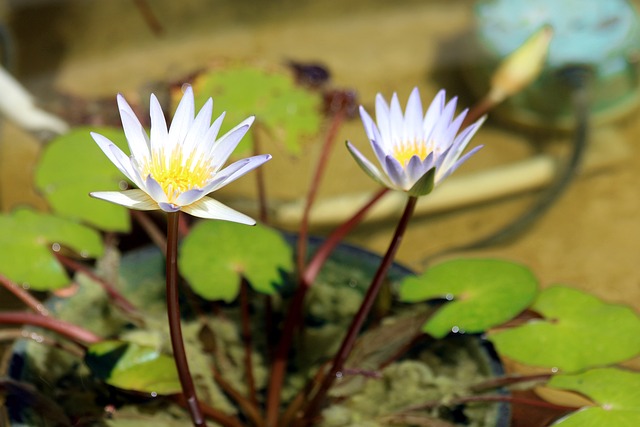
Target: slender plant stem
[246,338]
[74,349]
[149,17]
[313,190]
[122,302]
[24,296]
[250,410]
[175,329]
[358,321]
[297,304]
[69,330]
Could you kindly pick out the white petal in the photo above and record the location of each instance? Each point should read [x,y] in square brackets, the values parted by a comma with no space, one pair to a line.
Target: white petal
[368,123]
[383,119]
[213,209]
[396,120]
[155,190]
[223,148]
[136,135]
[126,166]
[159,131]
[133,199]
[195,137]
[189,196]
[413,118]
[433,113]
[183,118]
[235,171]
[108,148]
[367,166]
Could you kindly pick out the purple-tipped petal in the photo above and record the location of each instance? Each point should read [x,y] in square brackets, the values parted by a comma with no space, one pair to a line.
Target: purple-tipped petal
[383,118]
[155,190]
[169,207]
[236,170]
[190,196]
[395,172]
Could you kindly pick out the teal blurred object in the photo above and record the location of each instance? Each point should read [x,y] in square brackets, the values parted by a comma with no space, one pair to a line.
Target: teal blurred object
[601,35]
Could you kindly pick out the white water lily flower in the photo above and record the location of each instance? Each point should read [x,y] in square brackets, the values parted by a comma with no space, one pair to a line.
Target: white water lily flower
[415,153]
[174,169]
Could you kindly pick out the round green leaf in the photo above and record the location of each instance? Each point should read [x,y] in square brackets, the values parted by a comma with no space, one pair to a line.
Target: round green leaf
[71,167]
[483,293]
[129,366]
[616,393]
[578,331]
[216,254]
[25,247]
[289,112]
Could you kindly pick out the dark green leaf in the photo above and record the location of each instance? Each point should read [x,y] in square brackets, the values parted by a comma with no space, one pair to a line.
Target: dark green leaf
[484,293]
[216,254]
[71,167]
[25,247]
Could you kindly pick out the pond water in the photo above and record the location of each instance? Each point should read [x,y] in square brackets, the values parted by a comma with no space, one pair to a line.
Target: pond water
[589,239]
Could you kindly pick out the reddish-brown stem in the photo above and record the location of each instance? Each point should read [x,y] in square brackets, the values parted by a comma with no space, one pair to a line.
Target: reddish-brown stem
[328,245]
[249,409]
[66,329]
[301,253]
[358,321]
[111,291]
[72,348]
[297,303]
[246,338]
[481,108]
[508,380]
[152,230]
[484,398]
[263,205]
[175,328]
[24,296]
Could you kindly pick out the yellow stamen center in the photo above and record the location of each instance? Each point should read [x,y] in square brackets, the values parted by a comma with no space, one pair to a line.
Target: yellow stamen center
[176,173]
[404,151]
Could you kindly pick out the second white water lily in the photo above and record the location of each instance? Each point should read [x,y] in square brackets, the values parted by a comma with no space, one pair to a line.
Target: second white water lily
[415,152]
[176,168]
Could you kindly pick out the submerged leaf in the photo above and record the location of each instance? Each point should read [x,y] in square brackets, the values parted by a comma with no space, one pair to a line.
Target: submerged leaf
[71,167]
[578,331]
[615,393]
[25,247]
[216,254]
[483,293]
[132,367]
[288,112]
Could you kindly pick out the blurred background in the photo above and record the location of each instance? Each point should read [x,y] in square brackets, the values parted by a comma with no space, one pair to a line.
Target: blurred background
[93,49]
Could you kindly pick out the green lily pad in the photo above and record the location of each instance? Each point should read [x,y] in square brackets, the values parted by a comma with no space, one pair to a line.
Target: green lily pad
[484,293]
[288,112]
[578,331]
[133,367]
[71,167]
[25,247]
[615,392]
[216,254]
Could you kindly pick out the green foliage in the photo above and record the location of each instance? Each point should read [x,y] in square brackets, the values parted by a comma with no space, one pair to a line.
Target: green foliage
[615,392]
[578,331]
[288,112]
[129,366]
[71,167]
[484,293]
[25,247]
[216,254]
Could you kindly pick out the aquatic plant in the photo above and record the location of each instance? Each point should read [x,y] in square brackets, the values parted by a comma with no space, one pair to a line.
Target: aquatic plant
[268,340]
